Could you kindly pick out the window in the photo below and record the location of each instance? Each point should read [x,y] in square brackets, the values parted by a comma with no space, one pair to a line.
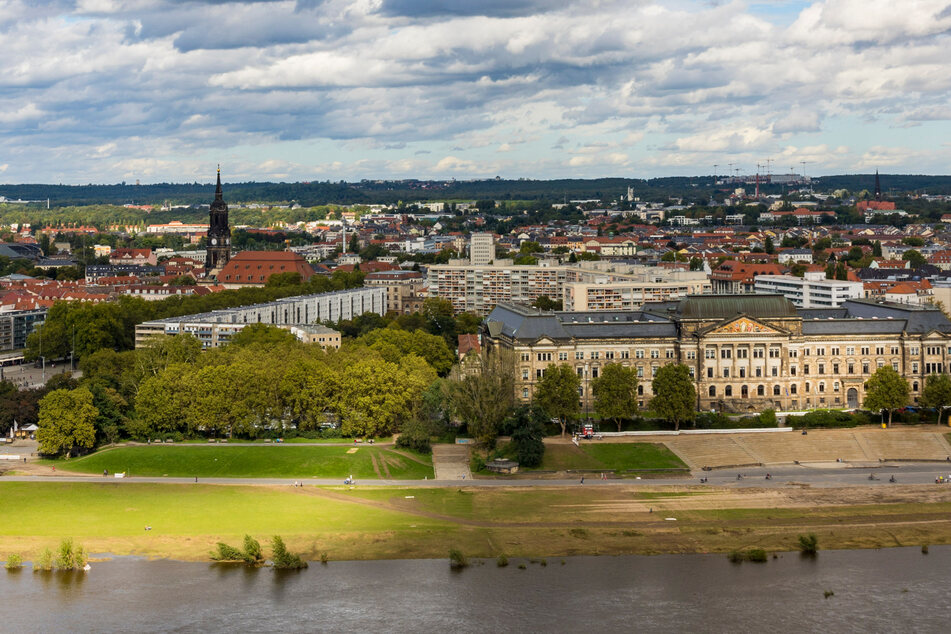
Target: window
[655,354]
[742,373]
[914,367]
[625,354]
[539,373]
[914,386]
[759,353]
[544,356]
[805,352]
[933,350]
[774,353]
[709,373]
[691,354]
[822,368]
[609,354]
[728,390]
[805,369]
[835,351]
[524,374]
[690,370]
[793,354]
[776,391]
[595,355]
[562,356]
[865,367]
[742,353]
[640,372]
[820,352]
[726,353]
[594,373]
[525,356]
[865,350]
[894,349]
[850,350]
[792,370]
[712,391]
[775,371]
[638,354]
[851,368]
[710,353]
[914,350]
[726,373]
[760,390]
[806,388]
[792,389]
[640,390]
[524,392]
[759,371]
[835,386]
[579,356]
[879,349]
[669,353]
[895,365]
[580,371]
[822,386]
[880,364]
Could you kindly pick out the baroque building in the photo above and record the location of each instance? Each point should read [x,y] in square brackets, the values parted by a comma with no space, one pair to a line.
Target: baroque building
[745,352]
[218,249]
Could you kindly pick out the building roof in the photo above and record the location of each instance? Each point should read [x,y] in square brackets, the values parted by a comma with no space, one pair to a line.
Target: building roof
[256,267]
[726,306]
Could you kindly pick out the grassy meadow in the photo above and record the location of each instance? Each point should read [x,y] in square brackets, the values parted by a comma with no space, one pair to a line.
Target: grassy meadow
[265,461]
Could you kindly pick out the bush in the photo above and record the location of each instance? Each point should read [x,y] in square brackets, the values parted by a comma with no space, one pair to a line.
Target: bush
[65,559]
[716,420]
[527,433]
[456,559]
[14,562]
[757,555]
[767,418]
[414,442]
[44,562]
[252,551]
[501,561]
[826,419]
[227,553]
[282,559]
[808,544]
[476,463]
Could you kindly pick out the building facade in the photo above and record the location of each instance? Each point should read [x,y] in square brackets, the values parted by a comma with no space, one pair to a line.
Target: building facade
[745,353]
[402,289]
[632,294]
[16,326]
[481,249]
[812,290]
[217,327]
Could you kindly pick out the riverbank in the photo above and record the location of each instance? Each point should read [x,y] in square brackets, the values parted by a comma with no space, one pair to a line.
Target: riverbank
[185,521]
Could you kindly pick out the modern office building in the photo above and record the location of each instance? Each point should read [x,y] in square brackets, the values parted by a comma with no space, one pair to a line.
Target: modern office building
[481,249]
[812,290]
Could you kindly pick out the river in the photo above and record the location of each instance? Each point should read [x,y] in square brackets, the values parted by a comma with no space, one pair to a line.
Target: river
[890,590]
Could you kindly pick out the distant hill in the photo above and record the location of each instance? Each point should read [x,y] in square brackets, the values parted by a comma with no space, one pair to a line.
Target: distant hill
[309,194]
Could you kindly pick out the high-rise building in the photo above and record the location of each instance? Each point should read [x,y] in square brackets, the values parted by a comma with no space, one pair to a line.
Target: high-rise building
[481,249]
[219,234]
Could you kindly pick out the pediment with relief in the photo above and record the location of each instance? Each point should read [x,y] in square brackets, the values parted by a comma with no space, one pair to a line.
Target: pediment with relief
[743,325]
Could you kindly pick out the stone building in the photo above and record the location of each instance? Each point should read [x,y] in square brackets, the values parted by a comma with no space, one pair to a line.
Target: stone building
[745,352]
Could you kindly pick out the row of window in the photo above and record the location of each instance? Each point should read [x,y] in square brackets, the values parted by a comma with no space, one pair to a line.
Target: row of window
[609,355]
[774,352]
[777,389]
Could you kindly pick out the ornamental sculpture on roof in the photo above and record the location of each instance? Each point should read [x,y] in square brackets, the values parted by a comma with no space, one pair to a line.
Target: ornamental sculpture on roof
[743,325]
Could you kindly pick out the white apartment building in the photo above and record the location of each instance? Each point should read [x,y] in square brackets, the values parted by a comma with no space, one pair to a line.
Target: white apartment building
[812,290]
[479,288]
[481,249]
[655,285]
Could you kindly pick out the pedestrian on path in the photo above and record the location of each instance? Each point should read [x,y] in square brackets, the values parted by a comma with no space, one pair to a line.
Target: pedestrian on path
[582,479]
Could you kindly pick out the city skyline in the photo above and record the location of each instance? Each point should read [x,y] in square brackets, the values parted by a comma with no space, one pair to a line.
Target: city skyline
[157,90]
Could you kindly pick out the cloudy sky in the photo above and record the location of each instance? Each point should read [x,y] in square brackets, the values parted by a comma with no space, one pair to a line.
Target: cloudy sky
[162,90]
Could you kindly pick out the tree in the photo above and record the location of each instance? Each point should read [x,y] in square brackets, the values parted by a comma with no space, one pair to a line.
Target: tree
[615,393]
[877,249]
[768,245]
[263,335]
[394,344]
[674,394]
[528,431]
[544,302]
[66,421]
[483,397]
[886,390]
[915,259]
[937,393]
[557,394]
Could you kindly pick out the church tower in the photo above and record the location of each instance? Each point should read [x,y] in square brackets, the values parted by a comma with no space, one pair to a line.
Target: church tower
[878,188]
[219,234]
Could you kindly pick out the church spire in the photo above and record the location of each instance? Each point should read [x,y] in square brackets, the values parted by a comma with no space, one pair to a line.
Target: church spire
[878,187]
[218,195]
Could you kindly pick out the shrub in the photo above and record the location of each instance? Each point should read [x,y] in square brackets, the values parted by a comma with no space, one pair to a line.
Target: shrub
[824,418]
[477,463]
[44,562]
[457,559]
[65,559]
[282,559]
[735,556]
[14,562]
[757,555]
[808,544]
[252,551]
[80,557]
[414,441]
[227,553]
[501,561]
[767,418]
[323,558]
[924,549]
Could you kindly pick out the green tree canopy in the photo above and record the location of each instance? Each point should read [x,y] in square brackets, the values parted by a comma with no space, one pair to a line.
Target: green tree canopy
[557,394]
[66,421]
[937,393]
[615,393]
[675,398]
[394,344]
[482,397]
[263,335]
[886,390]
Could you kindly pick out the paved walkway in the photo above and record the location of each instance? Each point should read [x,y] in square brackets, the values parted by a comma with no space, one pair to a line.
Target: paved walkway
[451,462]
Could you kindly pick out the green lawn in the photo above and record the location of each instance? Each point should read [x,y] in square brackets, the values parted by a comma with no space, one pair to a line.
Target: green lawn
[609,457]
[266,461]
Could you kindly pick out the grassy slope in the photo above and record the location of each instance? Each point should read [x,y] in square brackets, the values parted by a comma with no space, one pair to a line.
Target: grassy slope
[388,522]
[609,457]
[250,462]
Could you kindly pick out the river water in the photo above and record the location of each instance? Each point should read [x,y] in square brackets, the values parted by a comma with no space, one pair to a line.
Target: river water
[890,590]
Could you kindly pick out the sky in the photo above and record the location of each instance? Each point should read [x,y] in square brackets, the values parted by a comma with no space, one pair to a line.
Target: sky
[103,91]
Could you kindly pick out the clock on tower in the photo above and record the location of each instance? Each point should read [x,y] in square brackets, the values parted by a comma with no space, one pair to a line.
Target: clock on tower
[218,251]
